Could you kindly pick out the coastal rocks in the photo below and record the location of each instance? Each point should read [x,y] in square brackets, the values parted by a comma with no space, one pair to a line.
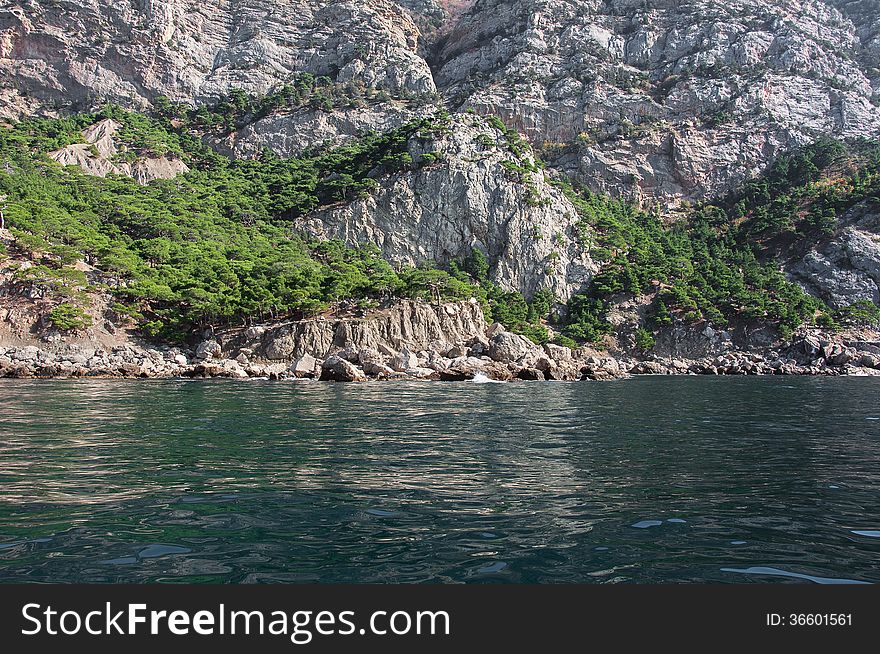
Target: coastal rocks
[403,361]
[209,350]
[74,360]
[305,366]
[530,374]
[469,368]
[336,368]
[410,325]
[506,346]
[515,359]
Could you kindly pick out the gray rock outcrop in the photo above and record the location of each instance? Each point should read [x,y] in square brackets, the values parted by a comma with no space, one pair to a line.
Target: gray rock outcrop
[82,54]
[477,195]
[408,325]
[845,268]
[667,100]
[97,156]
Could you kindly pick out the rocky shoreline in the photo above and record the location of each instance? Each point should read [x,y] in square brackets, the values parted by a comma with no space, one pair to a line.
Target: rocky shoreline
[495,355]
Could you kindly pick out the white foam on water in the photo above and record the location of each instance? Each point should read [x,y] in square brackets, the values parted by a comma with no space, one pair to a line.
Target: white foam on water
[480,378]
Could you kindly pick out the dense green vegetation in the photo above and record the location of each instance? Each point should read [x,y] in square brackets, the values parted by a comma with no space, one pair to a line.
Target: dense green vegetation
[217,245]
[718,264]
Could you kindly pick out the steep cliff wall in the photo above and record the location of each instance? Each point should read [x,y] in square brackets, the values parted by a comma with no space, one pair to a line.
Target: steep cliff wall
[665,100]
[77,54]
[657,100]
[478,194]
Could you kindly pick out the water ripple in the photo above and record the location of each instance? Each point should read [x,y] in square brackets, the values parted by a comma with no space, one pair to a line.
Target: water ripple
[647,480]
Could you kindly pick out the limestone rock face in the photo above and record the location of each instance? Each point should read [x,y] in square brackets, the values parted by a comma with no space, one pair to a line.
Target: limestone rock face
[96,156]
[408,325]
[289,134]
[475,196]
[655,100]
[81,54]
[845,268]
[667,100]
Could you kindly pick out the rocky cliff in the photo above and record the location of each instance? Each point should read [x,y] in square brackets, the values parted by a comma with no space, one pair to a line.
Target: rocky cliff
[477,193]
[409,325]
[61,53]
[664,102]
[845,268]
[658,100]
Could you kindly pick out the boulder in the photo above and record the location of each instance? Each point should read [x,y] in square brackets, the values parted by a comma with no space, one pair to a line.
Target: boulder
[440,347]
[404,360]
[422,373]
[276,371]
[369,355]
[305,366]
[558,352]
[497,371]
[648,368]
[457,351]
[569,371]
[209,350]
[350,354]
[506,346]
[378,369]
[463,368]
[544,363]
[336,368]
[530,374]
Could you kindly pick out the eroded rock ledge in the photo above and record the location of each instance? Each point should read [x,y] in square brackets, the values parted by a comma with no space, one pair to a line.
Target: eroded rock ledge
[415,341]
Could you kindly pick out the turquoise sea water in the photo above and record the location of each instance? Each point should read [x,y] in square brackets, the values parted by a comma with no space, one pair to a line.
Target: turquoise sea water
[680,479]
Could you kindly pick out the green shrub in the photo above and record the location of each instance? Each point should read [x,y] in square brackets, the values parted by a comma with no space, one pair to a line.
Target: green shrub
[863,313]
[67,317]
[565,341]
[644,339]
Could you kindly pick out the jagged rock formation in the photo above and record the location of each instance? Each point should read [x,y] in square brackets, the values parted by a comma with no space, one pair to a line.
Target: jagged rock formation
[97,156]
[289,134]
[472,197]
[75,54]
[664,99]
[659,100]
[844,269]
[412,325]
